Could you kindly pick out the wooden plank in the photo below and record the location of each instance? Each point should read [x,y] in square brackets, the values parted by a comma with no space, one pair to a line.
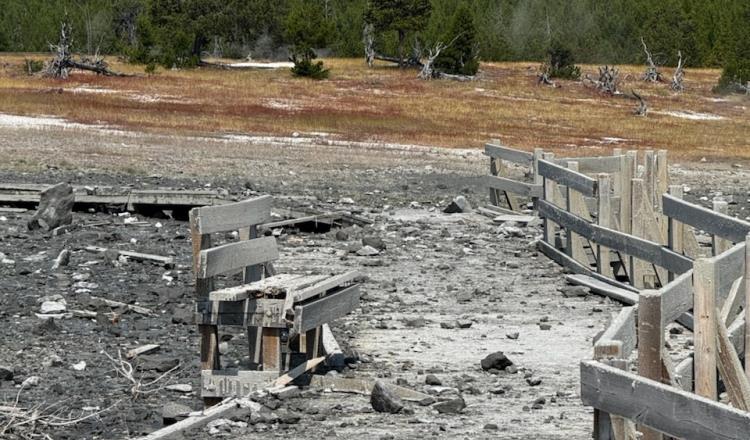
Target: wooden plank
[167,198]
[662,407]
[164,261]
[271,349]
[594,165]
[711,222]
[522,189]
[730,265]
[704,304]
[623,329]
[298,371]
[538,155]
[494,171]
[720,245]
[676,229]
[650,343]
[135,352]
[576,206]
[261,312]
[494,211]
[730,367]
[327,218]
[563,260]
[277,285]
[677,297]
[563,176]
[323,310]
[235,383]
[638,247]
[604,219]
[731,306]
[323,286]
[509,154]
[233,256]
[523,219]
[550,190]
[638,267]
[233,216]
[334,354]
[625,296]
[746,292]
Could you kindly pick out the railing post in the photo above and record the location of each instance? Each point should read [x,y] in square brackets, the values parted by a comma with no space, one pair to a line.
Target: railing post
[604,218]
[718,244]
[650,343]
[704,307]
[575,205]
[649,175]
[548,194]
[747,305]
[638,268]
[675,229]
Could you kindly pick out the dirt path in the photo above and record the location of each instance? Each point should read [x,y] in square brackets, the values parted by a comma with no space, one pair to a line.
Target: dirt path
[436,269]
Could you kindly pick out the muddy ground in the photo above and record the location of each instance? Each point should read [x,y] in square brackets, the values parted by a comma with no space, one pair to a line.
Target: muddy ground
[436,269]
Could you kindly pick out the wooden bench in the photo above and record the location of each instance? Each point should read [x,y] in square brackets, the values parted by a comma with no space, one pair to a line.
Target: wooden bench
[283,314]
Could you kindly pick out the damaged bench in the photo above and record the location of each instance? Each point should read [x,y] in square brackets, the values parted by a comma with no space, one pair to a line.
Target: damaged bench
[285,315]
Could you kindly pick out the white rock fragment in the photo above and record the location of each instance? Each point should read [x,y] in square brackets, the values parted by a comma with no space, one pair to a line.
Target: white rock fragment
[80,366]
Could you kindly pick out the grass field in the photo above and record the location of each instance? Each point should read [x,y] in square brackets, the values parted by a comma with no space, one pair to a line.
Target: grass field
[391,105]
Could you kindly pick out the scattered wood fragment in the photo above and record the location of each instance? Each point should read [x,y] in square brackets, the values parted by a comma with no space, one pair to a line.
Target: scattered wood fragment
[331,348]
[143,349]
[298,371]
[164,261]
[525,219]
[117,304]
[364,386]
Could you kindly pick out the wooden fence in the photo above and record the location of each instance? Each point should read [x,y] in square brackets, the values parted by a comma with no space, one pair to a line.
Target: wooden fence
[627,234]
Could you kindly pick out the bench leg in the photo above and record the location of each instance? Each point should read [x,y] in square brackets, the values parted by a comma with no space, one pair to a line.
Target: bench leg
[271,349]
[209,343]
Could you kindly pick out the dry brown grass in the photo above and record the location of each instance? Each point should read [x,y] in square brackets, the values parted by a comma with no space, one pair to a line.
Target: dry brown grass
[386,104]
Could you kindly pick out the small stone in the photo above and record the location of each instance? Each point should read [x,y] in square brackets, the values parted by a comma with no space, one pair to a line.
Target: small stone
[534,381]
[431,379]
[458,205]
[463,323]
[384,400]
[574,291]
[367,251]
[375,242]
[448,325]
[180,388]
[545,326]
[342,235]
[453,406]
[417,322]
[497,361]
[51,307]
[491,427]
[80,366]
[31,382]
[173,412]
[512,335]
[6,372]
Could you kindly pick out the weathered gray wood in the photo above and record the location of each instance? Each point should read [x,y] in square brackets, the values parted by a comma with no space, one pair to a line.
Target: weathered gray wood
[235,383]
[327,218]
[164,261]
[720,245]
[522,189]
[261,312]
[650,343]
[711,222]
[662,407]
[298,371]
[334,354]
[324,285]
[594,165]
[623,329]
[625,296]
[575,205]
[730,368]
[272,286]
[734,301]
[524,219]
[683,374]
[323,310]
[641,248]
[704,304]
[233,256]
[563,176]
[563,260]
[509,154]
[604,219]
[233,216]
[677,297]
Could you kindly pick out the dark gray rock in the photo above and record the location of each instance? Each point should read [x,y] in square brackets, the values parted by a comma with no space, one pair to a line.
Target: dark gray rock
[497,361]
[6,372]
[431,379]
[55,208]
[342,235]
[574,291]
[384,400]
[453,406]
[375,242]
[173,412]
[458,205]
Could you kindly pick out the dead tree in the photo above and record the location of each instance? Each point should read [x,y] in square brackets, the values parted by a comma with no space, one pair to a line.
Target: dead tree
[543,76]
[642,104]
[62,62]
[679,75]
[369,39]
[609,79]
[428,72]
[652,73]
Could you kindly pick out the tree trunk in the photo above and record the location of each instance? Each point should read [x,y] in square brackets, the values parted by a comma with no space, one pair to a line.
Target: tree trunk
[401,39]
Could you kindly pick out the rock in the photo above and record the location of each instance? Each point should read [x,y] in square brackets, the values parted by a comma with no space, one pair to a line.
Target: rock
[62,259]
[491,427]
[497,361]
[182,315]
[545,326]
[512,335]
[47,327]
[49,307]
[180,388]
[6,372]
[368,251]
[431,379]
[342,235]
[574,291]
[448,325]
[172,412]
[453,406]
[458,205]
[375,242]
[534,381]
[417,322]
[55,208]
[80,366]
[288,417]
[288,392]
[346,201]
[162,364]
[463,323]
[30,382]
[384,400]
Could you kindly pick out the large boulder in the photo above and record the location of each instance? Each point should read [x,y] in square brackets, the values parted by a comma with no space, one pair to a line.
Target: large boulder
[384,400]
[55,208]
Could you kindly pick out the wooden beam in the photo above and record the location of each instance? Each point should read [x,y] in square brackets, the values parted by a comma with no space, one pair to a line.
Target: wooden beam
[271,349]
[549,188]
[705,328]
[593,165]
[710,221]
[604,219]
[650,343]
[234,256]
[323,310]
[233,216]
[522,189]
[496,151]
[576,206]
[667,409]
[334,354]
[563,176]
[623,329]
[720,245]
[730,367]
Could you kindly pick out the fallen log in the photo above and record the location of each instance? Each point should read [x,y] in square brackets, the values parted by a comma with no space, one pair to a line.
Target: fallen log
[164,261]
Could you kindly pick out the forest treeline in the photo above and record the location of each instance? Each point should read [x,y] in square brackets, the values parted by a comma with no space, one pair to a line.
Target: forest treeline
[708,32]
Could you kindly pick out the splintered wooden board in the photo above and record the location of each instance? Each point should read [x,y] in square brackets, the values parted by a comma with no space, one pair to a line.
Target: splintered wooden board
[514,218]
[219,383]
[272,286]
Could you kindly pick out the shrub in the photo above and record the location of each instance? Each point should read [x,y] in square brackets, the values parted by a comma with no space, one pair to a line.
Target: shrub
[304,64]
[150,68]
[34,66]
[561,63]
[735,73]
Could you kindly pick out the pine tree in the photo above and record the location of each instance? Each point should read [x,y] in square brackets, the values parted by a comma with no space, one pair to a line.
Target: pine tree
[306,28]
[402,16]
[460,57]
